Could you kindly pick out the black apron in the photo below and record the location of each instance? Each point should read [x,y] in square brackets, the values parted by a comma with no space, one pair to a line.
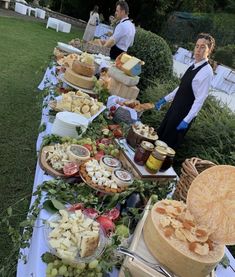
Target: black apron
[115,51]
[178,110]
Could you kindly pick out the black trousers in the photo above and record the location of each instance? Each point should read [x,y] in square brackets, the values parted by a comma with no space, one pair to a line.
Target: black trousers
[115,51]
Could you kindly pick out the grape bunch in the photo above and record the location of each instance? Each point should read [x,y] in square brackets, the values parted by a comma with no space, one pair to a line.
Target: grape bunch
[58,268]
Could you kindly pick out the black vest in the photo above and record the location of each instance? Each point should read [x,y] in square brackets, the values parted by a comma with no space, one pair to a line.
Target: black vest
[179,109]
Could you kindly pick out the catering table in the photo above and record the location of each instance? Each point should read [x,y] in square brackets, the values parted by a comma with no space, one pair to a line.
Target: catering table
[20,8]
[34,266]
[184,56]
[102,30]
[59,25]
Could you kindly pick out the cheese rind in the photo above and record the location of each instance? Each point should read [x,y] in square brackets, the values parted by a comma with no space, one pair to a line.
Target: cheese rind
[79,80]
[121,77]
[175,254]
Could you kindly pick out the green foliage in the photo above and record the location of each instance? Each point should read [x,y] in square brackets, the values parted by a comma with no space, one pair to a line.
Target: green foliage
[182,30]
[226,55]
[156,54]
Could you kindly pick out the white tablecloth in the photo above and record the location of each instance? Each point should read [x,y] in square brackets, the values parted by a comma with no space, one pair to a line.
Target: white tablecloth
[35,267]
[102,29]
[219,82]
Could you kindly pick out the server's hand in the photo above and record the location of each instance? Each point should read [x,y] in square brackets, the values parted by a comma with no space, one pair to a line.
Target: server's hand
[160,103]
[182,126]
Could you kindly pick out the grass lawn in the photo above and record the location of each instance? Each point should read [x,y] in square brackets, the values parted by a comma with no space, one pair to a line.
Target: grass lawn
[25,51]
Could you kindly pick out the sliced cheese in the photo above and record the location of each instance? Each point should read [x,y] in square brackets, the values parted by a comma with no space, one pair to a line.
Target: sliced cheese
[79,80]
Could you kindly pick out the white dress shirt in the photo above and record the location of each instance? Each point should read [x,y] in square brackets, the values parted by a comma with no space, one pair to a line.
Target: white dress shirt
[124,34]
[200,85]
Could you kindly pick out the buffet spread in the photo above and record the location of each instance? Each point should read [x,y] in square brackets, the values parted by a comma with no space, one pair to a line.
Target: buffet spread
[103,189]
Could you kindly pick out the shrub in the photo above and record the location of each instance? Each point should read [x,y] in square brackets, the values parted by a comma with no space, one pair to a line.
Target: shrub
[226,55]
[156,54]
[212,135]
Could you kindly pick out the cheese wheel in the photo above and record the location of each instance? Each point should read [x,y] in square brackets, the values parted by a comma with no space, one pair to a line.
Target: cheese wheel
[122,177]
[121,77]
[110,163]
[79,80]
[174,253]
[78,153]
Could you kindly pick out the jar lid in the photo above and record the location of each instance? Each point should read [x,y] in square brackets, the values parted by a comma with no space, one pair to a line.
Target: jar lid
[170,151]
[161,150]
[147,145]
[160,143]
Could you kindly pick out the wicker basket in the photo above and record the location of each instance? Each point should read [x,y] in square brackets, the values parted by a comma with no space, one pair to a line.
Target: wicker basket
[90,47]
[191,168]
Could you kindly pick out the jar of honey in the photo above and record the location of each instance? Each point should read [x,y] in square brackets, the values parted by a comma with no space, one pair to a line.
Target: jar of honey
[168,162]
[161,143]
[156,159]
[143,151]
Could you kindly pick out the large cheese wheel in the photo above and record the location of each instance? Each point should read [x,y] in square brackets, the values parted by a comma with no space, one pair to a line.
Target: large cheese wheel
[174,253]
[120,76]
[83,68]
[79,80]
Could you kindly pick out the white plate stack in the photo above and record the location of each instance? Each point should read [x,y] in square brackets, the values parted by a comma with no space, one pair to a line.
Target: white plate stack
[66,124]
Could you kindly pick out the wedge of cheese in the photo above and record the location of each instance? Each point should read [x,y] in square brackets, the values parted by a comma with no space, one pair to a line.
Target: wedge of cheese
[132,67]
[120,76]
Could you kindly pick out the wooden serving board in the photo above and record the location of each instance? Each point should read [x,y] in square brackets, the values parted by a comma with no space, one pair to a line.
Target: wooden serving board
[127,158]
[135,267]
[47,167]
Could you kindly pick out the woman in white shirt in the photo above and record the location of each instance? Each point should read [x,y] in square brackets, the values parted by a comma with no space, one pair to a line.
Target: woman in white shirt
[91,25]
[188,98]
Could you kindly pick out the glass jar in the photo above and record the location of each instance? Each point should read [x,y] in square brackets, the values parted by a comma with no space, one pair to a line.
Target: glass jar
[161,143]
[143,151]
[168,162]
[156,159]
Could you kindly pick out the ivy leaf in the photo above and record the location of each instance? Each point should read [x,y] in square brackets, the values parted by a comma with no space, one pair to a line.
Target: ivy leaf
[57,204]
[9,211]
[48,258]
[48,206]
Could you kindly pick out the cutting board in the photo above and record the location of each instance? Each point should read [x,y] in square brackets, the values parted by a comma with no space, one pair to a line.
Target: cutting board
[135,267]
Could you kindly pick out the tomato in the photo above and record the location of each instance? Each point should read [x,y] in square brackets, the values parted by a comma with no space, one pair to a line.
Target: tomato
[113,108]
[106,224]
[90,212]
[117,133]
[75,207]
[112,214]
[99,155]
[113,127]
[88,146]
[71,169]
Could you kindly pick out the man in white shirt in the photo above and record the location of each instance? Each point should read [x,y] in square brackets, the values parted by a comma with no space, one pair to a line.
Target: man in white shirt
[124,33]
[188,98]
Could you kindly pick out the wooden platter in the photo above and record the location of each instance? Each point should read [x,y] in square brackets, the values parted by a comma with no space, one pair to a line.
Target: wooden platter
[127,158]
[48,168]
[135,266]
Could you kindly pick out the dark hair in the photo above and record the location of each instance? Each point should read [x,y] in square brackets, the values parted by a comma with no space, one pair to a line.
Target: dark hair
[211,40]
[96,9]
[123,6]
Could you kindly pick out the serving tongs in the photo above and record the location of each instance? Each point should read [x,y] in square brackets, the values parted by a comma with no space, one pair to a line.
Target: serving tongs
[159,268]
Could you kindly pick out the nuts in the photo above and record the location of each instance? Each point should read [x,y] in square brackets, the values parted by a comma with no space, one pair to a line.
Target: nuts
[176,221]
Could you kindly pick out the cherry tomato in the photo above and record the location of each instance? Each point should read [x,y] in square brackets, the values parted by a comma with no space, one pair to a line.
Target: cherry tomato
[90,212]
[113,108]
[112,214]
[99,155]
[71,169]
[113,127]
[106,224]
[88,146]
[75,207]
[117,133]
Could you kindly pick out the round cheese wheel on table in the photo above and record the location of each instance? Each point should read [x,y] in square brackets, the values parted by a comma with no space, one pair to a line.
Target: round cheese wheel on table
[79,80]
[174,253]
